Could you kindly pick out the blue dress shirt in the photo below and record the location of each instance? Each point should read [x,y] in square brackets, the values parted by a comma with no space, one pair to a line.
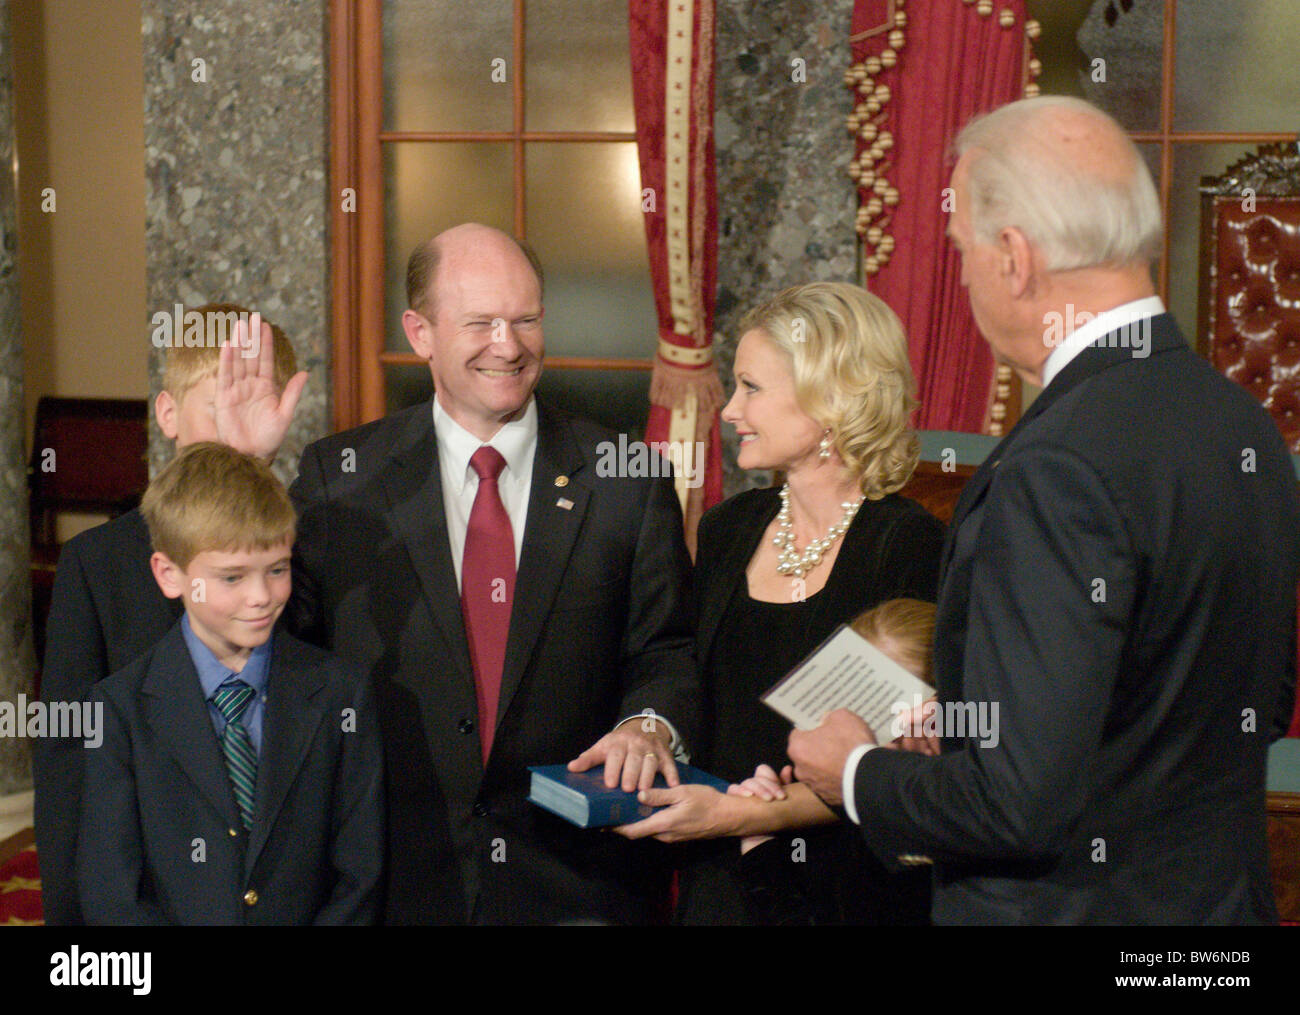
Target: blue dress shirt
[212,675]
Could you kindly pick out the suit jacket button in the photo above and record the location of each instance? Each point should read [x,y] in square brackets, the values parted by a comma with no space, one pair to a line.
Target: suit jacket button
[250,898]
[232,832]
[480,810]
[465,726]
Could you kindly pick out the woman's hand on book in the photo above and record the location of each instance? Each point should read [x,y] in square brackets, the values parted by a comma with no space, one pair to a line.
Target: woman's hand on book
[690,811]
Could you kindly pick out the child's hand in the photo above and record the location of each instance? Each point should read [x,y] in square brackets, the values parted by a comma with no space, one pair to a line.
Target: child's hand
[764,784]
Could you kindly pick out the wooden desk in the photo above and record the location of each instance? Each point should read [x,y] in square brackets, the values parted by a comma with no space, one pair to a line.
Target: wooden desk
[1284,825]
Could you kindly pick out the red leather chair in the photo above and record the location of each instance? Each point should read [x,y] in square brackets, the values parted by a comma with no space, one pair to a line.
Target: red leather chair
[1249,319]
[88,455]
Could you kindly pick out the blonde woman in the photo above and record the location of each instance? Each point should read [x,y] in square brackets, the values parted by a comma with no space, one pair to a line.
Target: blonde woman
[824,392]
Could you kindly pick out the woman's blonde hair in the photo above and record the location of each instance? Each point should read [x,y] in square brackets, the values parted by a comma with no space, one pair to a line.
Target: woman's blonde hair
[851,374]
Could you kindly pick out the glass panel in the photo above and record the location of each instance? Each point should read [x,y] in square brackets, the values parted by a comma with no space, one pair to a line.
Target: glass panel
[438,64]
[620,399]
[579,70]
[1237,66]
[406,386]
[1057,48]
[429,187]
[1191,162]
[1127,36]
[584,220]
[1151,156]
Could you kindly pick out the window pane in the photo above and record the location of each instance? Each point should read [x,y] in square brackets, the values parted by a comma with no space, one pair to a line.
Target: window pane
[1151,156]
[620,399]
[1128,37]
[579,71]
[1237,66]
[438,64]
[1058,46]
[406,386]
[584,220]
[1191,162]
[429,187]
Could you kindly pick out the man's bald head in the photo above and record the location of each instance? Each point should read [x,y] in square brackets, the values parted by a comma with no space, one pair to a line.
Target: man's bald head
[1067,176]
[422,266]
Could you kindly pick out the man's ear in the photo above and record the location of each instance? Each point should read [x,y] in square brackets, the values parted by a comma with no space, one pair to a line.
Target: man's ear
[170,578]
[418,333]
[165,410]
[1017,260]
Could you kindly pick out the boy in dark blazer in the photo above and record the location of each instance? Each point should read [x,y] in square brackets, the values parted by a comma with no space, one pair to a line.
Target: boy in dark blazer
[238,781]
[107,609]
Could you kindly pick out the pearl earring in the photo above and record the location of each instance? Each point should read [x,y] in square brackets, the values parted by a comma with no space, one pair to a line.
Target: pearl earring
[824,448]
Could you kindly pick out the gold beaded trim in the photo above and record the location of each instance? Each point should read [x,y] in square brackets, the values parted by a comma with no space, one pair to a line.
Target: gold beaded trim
[870,167]
[995,424]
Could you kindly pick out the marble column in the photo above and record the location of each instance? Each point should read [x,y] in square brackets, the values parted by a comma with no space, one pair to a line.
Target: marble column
[235,127]
[785,201]
[17,661]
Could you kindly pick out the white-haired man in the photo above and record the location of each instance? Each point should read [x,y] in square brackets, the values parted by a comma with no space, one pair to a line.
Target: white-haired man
[1119,577]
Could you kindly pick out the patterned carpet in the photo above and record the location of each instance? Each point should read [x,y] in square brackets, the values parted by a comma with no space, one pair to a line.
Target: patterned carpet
[20,882]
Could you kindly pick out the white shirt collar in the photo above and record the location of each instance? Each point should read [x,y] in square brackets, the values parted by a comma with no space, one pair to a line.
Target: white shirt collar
[1103,324]
[457,445]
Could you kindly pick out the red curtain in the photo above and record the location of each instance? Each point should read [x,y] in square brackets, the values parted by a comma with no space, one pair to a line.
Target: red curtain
[920,71]
[672,90]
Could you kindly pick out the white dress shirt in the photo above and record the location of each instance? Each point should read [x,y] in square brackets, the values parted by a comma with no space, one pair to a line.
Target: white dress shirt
[1104,323]
[1073,344]
[517,443]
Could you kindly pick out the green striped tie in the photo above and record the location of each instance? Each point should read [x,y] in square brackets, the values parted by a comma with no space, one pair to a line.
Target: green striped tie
[232,699]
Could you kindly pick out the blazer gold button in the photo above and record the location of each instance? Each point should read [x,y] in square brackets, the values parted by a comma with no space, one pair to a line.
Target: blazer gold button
[561,480]
[232,832]
[250,898]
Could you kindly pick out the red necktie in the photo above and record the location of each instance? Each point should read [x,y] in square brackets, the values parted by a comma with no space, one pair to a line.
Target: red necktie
[487,588]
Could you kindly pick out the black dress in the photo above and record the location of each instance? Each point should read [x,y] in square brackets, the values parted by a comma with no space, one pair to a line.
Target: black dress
[822,875]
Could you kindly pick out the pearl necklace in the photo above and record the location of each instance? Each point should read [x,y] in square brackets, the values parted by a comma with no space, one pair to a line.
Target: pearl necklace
[789,560]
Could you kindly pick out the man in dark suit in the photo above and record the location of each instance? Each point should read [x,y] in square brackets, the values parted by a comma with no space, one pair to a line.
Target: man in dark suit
[1119,578]
[513,606]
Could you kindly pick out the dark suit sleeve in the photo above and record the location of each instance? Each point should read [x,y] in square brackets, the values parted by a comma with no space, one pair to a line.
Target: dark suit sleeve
[357,849]
[110,853]
[658,648]
[75,660]
[1039,648]
[311,543]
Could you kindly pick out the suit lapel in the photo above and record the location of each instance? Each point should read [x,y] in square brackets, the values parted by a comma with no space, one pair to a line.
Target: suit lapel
[549,535]
[414,486]
[179,719]
[294,713]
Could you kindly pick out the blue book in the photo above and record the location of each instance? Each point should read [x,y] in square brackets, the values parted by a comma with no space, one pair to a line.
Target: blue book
[583,799]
